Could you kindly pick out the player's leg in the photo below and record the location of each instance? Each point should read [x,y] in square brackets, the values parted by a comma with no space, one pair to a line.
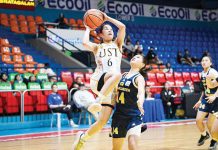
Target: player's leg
[96,127]
[118,143]
[200,124]
[210,120]
[110,82]
[134,134]
[132,142]
[213,125]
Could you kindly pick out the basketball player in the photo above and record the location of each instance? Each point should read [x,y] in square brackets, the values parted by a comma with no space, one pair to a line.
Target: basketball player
[207,103]
[127,118]
[107,74]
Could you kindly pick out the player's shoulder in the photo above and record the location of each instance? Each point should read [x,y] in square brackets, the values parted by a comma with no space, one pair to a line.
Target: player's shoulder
[213,71]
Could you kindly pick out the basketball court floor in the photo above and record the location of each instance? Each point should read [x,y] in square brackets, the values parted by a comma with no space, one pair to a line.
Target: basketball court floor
[170,135]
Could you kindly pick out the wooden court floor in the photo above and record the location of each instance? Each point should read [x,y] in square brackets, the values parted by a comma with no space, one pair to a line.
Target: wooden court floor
[165,137]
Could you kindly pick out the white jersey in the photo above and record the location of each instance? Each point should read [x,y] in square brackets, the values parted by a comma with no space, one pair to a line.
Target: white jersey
[108,57]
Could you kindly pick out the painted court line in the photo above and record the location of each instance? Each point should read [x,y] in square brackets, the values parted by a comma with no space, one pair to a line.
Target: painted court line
[73,132]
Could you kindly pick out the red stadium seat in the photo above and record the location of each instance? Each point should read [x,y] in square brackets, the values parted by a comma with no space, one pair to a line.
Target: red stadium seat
[151,84]
[39,19]
[169,76]
[12,17]
[161,77]
[19,68]
[11,104]
[21,18]
[3,16]
[29,103]
[16,51]
[41,103]
[186,76]
[29,59]
[7,59]
[195,77]
[78,74]
[67,77]
[30,18]
[178,76]
[87,77]
[30,68]
[152,77]
[18,59]
[5,42]
[5,50]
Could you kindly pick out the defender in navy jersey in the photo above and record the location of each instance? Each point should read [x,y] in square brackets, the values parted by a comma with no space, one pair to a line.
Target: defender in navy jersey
[208,104]
[127,118]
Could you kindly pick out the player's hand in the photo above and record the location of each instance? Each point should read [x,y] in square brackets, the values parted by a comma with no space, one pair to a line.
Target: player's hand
[211,98]
[197,105]
[169,103]
[87,27]
[140,106]
[105,16]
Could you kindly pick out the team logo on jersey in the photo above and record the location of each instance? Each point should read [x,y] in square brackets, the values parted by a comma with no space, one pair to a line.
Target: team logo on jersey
[127,83]
[121,83]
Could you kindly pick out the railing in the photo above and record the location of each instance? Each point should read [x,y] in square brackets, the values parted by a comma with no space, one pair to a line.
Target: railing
[84,53]
[22,98]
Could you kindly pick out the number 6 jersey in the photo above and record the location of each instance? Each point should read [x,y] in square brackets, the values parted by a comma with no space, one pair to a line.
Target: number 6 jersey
[108,57]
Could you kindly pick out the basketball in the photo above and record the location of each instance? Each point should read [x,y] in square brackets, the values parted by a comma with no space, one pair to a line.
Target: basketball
[93,18]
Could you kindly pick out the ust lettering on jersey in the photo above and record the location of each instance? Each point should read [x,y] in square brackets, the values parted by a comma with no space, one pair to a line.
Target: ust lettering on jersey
[110,56]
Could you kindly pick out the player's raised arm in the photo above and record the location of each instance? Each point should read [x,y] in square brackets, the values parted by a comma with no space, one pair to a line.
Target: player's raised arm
[122,30]
[86,41]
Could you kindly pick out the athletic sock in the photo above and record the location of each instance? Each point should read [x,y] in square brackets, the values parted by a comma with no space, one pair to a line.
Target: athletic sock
[85,137]
[204,133]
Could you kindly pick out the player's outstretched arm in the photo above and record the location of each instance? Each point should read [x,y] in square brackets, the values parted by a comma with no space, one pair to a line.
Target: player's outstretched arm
[86,41]
[122,30]
[141,93]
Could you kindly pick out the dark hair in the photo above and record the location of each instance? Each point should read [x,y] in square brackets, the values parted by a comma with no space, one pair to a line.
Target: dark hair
[143,71]
[1,76]
[46,65]
[53,85]
[15,77]
[100,29]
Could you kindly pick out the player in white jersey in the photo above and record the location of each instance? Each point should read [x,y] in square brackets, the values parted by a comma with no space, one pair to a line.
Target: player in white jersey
[107,74]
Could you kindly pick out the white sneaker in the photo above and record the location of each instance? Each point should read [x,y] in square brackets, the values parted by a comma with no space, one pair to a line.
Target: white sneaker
[94,108]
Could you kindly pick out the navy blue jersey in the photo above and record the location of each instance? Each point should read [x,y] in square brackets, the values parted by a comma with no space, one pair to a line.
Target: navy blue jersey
[127,97]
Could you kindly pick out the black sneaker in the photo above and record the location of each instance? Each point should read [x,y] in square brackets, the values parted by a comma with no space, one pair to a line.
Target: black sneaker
[144,128]
[213,144]
[203,139]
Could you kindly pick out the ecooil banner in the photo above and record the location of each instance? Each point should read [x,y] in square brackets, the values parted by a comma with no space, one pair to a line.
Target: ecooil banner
[135,9]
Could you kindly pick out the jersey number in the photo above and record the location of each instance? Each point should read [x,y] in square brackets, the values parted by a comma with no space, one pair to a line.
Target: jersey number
[121,99]
[109,63]
[114,130]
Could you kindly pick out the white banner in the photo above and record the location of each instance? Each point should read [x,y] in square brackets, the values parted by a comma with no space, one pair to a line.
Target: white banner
[135,9]
[72,36]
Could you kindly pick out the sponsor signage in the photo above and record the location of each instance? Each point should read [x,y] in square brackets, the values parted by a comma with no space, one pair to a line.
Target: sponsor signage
[124,9]
[18,4]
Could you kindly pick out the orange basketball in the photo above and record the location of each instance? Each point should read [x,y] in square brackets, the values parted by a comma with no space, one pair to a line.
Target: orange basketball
[93,18]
